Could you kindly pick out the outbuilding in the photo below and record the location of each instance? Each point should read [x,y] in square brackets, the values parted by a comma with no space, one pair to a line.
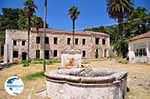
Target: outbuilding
[139,48]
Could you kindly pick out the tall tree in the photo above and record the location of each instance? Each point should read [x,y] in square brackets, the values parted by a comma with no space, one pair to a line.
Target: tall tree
[29,9]
[9,19]
[45,16]
[73,13]
[119,9]
[138,22]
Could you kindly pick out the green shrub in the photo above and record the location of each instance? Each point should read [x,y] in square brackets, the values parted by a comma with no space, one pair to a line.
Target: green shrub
[25,63]
[34,76]
[122,61]
[48,62]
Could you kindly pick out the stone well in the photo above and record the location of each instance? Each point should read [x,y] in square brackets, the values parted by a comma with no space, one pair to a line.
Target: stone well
[98,84]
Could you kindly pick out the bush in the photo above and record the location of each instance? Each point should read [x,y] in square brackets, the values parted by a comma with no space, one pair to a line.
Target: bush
[48,62]
[34,76]
[123,61]
[25,63]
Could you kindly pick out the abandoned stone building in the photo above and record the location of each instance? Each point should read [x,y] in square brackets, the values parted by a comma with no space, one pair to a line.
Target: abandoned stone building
[139,48]
[91,44]
[1,50]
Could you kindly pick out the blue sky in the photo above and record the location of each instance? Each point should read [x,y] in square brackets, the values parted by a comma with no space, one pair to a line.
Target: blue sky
[92,12]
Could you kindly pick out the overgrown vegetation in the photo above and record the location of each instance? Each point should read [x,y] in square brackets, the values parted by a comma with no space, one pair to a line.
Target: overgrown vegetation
[34,76]
[137,22]
[40,61]
[14,18]
[25,63]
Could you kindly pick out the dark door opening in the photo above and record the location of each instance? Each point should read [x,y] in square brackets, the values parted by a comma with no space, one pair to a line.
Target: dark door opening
[46,54]
[96,54]
[24,56]
[105,53]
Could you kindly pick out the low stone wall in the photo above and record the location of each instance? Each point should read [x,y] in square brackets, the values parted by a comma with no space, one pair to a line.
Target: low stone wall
[106,84]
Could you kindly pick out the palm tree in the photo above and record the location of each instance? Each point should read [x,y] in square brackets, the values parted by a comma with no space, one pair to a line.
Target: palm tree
[119,9]
[73,13]
[45,15]
[29,9]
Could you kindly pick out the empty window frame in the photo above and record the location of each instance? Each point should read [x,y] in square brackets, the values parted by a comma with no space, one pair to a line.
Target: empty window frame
[55,40]
[96,41]
[83,41]
[83,53]
[76,41]
[46,40]
[55,53]
[15,54]
[68,41]
[103,41]
[37,40]
[140,52]
[14,42]
[46,54]
[37,54]
[23,43]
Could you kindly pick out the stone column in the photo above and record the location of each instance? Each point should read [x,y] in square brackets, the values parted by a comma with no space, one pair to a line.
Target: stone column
[148,50]
[131,53]
[0,48]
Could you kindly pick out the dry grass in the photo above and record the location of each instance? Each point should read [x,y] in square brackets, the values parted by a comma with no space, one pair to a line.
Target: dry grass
[138,80]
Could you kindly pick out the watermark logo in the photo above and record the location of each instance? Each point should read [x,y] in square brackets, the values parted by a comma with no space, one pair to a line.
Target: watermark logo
[14,85]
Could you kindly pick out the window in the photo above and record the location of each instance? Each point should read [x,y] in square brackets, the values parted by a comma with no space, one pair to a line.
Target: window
[103,41]
[55,40]
[37,54]
[15,54]
[55,53]
[37,40]
[14,42]
[83,41]
[97,40]
[23,43]
[2,50]
[83,53]
[140,52]
[68,41]
[46,54]
[136,52]
[96,53]
[76,41]
[46,40]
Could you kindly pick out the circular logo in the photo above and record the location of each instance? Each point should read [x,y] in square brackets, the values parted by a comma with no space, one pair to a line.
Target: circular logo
[14,85]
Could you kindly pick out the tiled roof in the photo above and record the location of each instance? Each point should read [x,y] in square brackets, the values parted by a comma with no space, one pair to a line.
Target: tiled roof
[82,33]
[142,36]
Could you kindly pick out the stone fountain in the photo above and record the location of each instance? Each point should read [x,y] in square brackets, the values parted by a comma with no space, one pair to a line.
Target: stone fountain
[71,81]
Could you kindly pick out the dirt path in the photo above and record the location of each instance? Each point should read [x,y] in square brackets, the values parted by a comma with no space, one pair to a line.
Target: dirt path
[138,79]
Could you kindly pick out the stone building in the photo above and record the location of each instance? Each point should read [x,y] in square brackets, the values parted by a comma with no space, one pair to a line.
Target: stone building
[1,50]
[139,48]
[91,44]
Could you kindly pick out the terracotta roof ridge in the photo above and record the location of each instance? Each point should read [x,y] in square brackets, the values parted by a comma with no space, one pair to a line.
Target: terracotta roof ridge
[144,35]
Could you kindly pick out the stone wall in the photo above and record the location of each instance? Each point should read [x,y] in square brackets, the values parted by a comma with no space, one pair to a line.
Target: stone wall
[19,36]
[134,45]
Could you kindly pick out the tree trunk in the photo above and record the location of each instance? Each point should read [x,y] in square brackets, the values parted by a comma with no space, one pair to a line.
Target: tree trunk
[120,27]
[29,27]
[45,14]
[73,30]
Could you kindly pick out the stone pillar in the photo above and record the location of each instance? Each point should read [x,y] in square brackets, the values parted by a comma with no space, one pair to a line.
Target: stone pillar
[148,51]
[108,44]
[1,48]
[131,53]
[5,53]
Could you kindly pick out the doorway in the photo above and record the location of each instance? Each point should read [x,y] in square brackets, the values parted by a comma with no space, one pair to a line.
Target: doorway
[105,53]
[24,56]
[96,53]
[46,54]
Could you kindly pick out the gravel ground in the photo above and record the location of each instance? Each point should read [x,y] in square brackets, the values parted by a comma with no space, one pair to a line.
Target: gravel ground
[138,79]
